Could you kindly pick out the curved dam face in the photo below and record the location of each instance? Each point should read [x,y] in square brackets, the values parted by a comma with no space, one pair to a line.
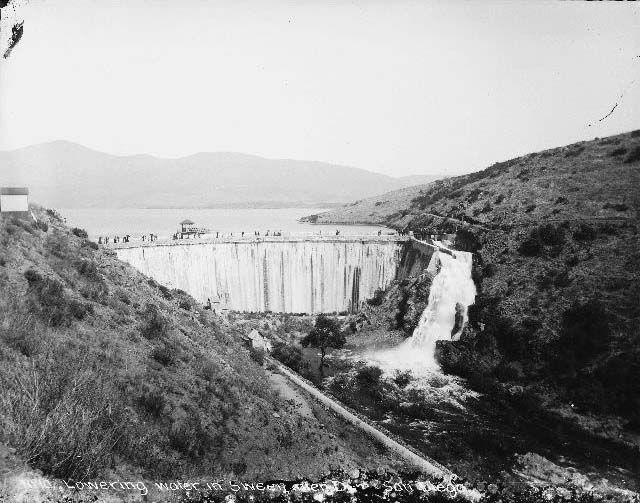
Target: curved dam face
[292,276]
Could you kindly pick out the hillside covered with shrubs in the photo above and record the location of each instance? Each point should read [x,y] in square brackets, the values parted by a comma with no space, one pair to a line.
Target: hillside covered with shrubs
[105,373]
[557,269]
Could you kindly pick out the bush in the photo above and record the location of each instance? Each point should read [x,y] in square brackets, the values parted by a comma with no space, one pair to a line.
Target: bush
[257,355]
[20,332]
[633,156]
[378,297]
[165,354]
[155,325]
[289,355]
[90,244]
[618,151]
[575,151]
[71,422]
[89,270]
[541,236]
[616,206]
[584,232]
[402,379]
[166,293]
[79,310]
[185,304]
[369,376]
[81,233]
[54,214]
[584,335]
[43,226]
[49,297]
[152,402]
[466,240]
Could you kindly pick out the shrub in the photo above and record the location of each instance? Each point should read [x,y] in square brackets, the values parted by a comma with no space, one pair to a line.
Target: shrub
[584,232]
[575,151]
[89,270]
[20,332]
[166,293]
[635,134]
[54,214]
[185,304]
[489,270]
[584,335]
[73,419]
[79,310]
[618,151]
[530,208]
[90,244]
[165,354]
[43,226]
[378,297]
[530,247]
[466,240]
[152,402]
[499,199]
[402,379]
[257,355]
[58,244]
[633,156]
[288,354]
[49,297]
[561,200]
[81,233]
[369,376]
[486,208]
[544,235]
[155,325]
[616,206]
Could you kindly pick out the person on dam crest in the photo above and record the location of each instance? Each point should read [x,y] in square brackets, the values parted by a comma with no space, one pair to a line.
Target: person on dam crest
[208,305]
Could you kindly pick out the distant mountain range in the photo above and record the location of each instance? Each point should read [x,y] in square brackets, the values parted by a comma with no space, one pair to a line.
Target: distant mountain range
[66,175]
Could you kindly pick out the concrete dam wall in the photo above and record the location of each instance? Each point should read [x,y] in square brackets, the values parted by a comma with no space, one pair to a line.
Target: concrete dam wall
[294,276]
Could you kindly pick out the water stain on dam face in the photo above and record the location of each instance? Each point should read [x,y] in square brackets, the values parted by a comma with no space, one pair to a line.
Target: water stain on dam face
[292,276]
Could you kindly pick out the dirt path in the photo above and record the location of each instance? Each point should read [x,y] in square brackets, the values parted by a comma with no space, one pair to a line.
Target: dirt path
[288,392]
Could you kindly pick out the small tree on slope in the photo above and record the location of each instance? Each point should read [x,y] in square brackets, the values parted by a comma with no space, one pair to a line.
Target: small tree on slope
[325,334]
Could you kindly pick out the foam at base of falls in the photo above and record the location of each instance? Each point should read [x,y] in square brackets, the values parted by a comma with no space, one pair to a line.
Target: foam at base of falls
[451,286]
[289,276]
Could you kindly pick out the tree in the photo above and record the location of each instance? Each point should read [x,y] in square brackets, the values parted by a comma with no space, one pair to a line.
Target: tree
[325,334]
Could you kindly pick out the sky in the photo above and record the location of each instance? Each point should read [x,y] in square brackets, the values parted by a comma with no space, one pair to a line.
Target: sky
[398,87]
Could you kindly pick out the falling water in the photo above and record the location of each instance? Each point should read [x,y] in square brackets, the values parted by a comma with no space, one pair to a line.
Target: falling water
[452,286]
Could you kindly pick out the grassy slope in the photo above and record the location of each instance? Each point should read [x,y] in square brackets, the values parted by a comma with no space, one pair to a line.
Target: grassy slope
[94,382]
[557,268]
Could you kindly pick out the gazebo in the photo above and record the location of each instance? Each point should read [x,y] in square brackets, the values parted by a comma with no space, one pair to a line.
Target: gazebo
[185,226]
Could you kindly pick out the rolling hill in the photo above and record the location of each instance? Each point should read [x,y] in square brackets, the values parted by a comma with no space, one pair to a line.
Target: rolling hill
[556,245]
[66,175]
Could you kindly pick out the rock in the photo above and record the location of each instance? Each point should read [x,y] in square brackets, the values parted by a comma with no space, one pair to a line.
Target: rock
[275,414]
[258,341]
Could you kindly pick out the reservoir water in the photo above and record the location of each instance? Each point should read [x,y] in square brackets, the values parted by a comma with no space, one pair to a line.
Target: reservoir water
[164,221]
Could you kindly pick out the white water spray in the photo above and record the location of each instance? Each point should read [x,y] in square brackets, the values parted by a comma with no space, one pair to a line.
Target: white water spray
[451,286]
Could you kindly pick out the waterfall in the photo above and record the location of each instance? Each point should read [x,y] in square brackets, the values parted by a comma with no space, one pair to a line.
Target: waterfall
[304,276]
[451,286]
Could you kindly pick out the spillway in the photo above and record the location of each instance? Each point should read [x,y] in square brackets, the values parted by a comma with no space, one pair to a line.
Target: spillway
[452,286]
[292,276]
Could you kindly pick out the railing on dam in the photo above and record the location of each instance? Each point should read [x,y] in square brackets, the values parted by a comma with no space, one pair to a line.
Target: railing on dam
[284,238]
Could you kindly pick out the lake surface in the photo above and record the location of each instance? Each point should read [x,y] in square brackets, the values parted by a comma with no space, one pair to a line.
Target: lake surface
[164,222]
